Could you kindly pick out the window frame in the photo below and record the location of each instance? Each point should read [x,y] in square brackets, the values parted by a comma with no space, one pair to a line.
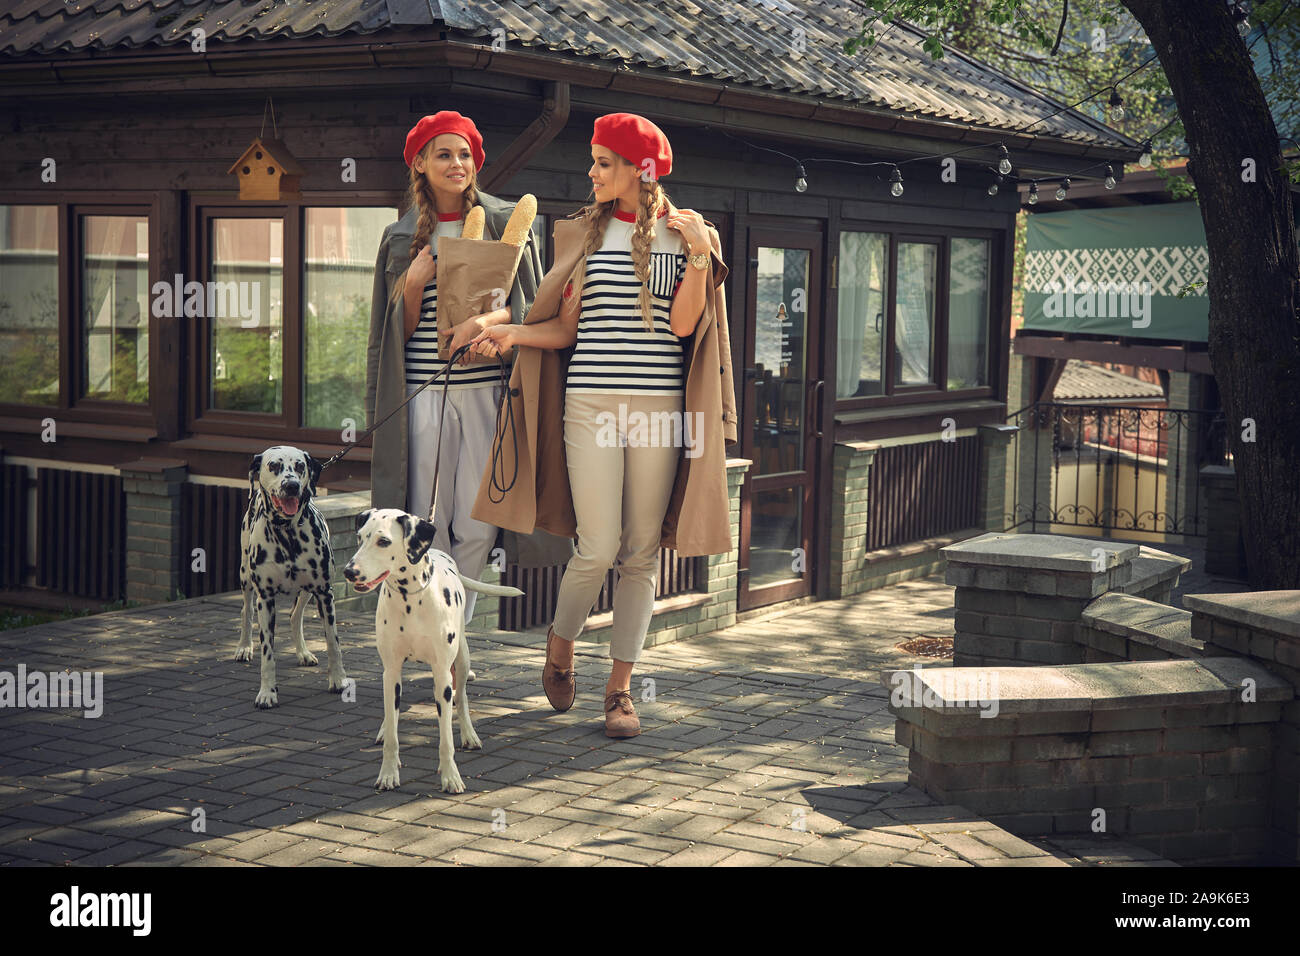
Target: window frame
[895,395]
[203,207]
[70,206]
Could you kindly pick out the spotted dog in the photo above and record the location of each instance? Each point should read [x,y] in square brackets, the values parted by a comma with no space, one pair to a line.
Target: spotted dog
[421,614]
[285,549]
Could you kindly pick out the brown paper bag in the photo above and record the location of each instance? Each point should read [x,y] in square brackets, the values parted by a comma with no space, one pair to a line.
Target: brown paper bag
[474,276]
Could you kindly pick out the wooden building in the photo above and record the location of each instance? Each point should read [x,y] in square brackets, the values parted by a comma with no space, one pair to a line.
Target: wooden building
[870,332]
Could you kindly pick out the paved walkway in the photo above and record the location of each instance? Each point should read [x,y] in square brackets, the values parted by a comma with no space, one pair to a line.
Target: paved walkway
[768,743]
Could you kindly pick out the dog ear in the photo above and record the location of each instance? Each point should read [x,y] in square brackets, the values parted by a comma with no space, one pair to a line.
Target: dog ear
[313,473]
[419,539]
[363,518]
[255,468]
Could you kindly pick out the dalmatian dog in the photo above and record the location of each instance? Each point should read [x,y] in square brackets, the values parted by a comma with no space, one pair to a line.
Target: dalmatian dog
[285,549]
[421,614]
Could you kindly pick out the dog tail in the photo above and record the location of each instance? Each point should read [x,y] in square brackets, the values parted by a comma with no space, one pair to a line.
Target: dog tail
[500,590]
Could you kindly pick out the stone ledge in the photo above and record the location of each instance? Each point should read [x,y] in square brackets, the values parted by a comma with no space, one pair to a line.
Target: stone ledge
[1152,568]
[1083,687]
[1143,622]
[1050,552]
[341,505]
[1275,612]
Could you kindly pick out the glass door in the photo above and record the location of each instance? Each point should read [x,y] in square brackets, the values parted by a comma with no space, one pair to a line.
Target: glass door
[780,433]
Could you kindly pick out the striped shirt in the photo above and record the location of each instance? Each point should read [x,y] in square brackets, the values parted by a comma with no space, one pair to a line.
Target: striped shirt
[614,351]
[422,347]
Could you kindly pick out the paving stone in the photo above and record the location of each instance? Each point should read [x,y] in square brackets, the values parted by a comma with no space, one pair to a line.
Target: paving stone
[751,724]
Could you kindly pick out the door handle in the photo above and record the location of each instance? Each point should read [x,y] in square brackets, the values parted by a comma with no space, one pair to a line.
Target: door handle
[819,389]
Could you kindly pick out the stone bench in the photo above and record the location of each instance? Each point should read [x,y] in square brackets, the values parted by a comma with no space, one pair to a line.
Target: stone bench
[1021,597]
[1176,755]
[1120,627]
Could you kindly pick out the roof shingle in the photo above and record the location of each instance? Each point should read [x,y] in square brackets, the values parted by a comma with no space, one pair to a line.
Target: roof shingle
[747,42]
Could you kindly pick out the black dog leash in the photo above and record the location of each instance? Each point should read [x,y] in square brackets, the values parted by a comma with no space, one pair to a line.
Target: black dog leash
[495,485]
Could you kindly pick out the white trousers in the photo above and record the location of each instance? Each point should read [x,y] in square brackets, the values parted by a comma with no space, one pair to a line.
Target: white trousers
[468,428]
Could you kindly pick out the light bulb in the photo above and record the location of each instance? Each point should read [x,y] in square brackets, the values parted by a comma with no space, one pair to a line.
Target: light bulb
[896,189]
[1033,194]
[801,185]
[1060,191]
[1110,178]
[1243,27]
[993,189]
[1145,159]
[1116,106]
[896,183]
[1004,164]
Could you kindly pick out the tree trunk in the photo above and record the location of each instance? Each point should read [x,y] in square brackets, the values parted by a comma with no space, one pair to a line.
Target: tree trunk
[1254,276]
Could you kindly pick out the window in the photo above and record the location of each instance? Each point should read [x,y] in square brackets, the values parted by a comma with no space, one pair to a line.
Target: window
[914,312]
[863,287]
[288,319]
[29,305]
[245,315]
[930,296]
[338,275]
[968,313]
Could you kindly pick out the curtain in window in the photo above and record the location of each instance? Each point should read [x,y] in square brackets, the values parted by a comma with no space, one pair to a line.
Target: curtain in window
[863,275]
[914,311]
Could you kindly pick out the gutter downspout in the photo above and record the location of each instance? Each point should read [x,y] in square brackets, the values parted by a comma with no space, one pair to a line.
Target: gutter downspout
[554,115]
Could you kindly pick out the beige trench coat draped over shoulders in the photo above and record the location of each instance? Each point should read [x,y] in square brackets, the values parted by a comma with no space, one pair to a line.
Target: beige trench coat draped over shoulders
[697,521]
[386,364]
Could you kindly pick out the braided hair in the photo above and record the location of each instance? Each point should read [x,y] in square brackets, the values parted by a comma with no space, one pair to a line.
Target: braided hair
[597,215]
[421,195]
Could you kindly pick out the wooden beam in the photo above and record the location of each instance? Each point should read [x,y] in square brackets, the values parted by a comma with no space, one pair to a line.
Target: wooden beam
[1175,358]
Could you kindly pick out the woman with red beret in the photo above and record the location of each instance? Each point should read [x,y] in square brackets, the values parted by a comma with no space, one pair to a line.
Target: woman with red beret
[444,153]
[628,292]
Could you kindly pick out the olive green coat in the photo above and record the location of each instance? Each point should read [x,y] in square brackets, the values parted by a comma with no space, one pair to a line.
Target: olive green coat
[386,369]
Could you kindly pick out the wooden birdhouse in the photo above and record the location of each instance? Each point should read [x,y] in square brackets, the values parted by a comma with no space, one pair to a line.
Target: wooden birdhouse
[267,170]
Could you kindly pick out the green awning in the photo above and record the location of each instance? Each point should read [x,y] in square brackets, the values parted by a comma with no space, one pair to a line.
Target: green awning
[1118,272]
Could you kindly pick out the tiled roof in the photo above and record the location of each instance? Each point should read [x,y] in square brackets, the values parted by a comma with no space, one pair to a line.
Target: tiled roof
[746,42]
[1080,381]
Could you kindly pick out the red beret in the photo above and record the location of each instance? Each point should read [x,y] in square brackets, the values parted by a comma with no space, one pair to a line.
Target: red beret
[446,121]
[636,139]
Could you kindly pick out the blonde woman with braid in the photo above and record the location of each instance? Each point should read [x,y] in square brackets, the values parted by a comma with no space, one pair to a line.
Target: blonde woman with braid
[634,303]
[444,153]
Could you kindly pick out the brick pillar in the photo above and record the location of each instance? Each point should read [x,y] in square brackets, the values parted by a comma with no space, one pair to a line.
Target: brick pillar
[1225,554]
[721,574]
[1178,497]
[993,504]
[851,473]
[1263,626]
[153,531]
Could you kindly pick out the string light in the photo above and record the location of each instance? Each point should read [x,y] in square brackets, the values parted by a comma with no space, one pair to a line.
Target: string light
[1062,189]
[896,183]
[993,186]
[1033,193]
[1145,159]
[1243,25]
[1110,178]
[801,183]
[1116,107]
[1004,164]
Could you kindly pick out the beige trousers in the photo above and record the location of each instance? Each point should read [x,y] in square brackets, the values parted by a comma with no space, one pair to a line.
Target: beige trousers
[620,495]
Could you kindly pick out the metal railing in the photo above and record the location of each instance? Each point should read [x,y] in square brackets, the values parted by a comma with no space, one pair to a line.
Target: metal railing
[1116,468]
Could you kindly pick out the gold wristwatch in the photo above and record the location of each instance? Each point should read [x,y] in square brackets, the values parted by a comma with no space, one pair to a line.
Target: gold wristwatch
[700,260]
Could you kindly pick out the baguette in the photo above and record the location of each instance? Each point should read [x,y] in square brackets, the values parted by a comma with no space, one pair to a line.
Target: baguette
[474,220]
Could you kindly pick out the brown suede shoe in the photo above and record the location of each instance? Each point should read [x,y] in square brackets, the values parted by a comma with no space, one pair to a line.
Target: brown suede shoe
[559,685]
[620,716]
